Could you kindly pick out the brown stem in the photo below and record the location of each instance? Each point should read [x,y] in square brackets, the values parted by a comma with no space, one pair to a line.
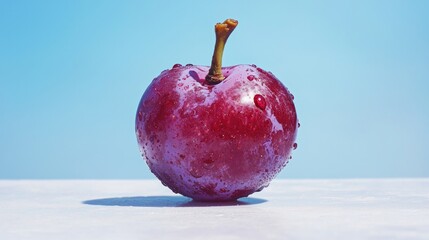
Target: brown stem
[222,30]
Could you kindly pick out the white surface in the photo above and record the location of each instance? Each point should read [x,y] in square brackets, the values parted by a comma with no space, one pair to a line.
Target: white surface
[288,209]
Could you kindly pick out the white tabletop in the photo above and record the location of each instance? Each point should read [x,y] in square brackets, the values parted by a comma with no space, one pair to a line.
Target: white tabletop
[144,209]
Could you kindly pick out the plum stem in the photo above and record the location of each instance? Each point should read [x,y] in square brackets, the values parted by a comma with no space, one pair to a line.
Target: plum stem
[222,30]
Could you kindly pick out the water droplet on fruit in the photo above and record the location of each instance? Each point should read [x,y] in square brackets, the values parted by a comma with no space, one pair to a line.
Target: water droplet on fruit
[295,145]
[292,96]
[260,101]
[250,77]
[208,163]
[253,65]
[177,65]
[196,173]
[140,116]
[189,65]
[299,124]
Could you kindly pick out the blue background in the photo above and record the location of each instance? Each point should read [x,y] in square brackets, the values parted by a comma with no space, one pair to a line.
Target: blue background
[72,74]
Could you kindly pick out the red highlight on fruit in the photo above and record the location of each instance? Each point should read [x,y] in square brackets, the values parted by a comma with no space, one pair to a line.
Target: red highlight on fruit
[216,133]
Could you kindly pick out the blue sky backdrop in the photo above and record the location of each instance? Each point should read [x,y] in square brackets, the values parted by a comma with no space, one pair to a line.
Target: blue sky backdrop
[72,74]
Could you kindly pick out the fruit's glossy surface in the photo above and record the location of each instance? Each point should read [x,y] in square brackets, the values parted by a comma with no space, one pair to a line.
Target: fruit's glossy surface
[216,142]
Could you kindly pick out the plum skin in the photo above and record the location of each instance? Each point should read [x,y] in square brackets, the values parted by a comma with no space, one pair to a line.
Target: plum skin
[216,142]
